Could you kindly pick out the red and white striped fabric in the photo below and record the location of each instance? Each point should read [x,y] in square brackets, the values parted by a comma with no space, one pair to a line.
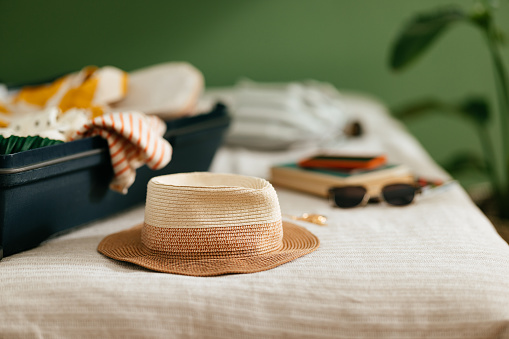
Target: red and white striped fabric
[134,139]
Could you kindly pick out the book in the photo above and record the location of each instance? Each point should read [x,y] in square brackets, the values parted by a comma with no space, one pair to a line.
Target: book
[319,181]
[343,162]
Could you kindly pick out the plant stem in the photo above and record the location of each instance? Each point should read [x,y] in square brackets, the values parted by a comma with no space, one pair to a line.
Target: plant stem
[503,99]
[489,156]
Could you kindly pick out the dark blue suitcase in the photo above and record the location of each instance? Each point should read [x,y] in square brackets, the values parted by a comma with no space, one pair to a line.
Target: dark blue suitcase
[52,189]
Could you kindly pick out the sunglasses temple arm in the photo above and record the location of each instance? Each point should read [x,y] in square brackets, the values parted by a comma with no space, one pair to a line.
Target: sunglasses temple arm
[435,187]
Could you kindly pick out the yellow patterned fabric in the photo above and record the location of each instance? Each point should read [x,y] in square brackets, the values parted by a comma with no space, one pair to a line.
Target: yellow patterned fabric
[93,89]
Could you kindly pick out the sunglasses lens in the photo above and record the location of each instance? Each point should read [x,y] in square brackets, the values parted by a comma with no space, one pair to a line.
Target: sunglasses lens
[398,194]
[348,196]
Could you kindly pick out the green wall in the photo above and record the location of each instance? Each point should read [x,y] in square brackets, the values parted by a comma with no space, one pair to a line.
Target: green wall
[342,42]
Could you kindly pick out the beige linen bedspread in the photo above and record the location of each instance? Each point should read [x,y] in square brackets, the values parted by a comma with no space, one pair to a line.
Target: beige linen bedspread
[435,269]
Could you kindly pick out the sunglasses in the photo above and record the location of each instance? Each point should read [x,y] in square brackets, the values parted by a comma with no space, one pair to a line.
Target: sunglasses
[393,194]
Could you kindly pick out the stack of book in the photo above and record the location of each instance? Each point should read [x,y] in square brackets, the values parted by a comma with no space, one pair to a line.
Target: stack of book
[318,181]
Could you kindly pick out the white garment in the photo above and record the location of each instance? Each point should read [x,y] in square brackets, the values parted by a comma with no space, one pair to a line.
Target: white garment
[382,135]
[169,90]
[280,116]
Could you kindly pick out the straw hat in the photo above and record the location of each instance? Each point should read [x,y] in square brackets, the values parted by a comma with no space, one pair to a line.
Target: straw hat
[206,224]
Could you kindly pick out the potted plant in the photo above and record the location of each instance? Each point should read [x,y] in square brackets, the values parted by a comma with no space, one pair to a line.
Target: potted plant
[416,37]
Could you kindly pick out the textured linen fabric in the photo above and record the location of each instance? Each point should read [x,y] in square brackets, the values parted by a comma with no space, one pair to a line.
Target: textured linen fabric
[434,269]
[134,139]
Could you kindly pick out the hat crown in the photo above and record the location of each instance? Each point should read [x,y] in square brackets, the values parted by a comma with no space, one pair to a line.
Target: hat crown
[204,200]
[213,215]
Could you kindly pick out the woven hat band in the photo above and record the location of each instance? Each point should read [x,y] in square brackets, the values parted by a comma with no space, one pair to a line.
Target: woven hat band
[243,240]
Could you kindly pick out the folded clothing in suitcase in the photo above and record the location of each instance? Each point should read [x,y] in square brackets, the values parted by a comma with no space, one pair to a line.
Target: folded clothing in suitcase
[48,190]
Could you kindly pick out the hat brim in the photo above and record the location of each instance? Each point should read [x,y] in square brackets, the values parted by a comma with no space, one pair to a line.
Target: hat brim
[127,246]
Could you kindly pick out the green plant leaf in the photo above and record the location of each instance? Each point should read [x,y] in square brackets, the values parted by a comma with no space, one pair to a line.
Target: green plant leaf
[15,144]
[420,32]
[477,109]
[464,161]
[474,108]
[480,15]
[420,107]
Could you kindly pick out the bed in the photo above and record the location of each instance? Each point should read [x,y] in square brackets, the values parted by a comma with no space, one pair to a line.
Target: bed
[436,268]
